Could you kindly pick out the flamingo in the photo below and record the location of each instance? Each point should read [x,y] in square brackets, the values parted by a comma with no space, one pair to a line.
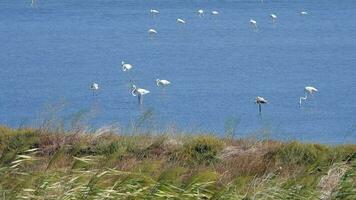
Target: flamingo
[94,87]
[309,90]
[274,17]
[253,23]
[139,92]
[162,82]
[154,11]
[214,12]
[152,31]
[200,12]
[304,13]
[260,100]
[125,66]
[180,21]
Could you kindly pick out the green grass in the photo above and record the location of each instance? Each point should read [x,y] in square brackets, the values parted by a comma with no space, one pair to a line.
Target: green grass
[57,164]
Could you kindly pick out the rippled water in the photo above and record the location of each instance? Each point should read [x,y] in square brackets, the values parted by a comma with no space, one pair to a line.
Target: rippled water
[217,65]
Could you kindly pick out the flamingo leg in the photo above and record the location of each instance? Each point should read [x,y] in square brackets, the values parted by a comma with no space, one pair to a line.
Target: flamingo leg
[260,108]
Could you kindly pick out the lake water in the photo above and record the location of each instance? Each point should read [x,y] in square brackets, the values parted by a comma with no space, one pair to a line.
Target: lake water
[217,64]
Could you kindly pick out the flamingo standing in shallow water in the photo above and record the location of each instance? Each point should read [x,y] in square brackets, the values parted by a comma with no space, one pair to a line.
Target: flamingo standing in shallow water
[309,90]
[180,21]
[139,92]
[154,12]
[260,100]
[125,66]
[274,17]
[253,23]
[94,87]
[215,12]
[200,12]
[162,82]
[152,31]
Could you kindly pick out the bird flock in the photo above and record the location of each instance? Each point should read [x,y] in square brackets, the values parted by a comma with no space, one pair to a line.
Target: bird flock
[140,92]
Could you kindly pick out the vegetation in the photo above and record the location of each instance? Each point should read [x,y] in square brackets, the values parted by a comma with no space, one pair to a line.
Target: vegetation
[47,163]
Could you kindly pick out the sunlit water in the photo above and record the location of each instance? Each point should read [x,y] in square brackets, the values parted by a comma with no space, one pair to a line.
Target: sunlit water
[217,65]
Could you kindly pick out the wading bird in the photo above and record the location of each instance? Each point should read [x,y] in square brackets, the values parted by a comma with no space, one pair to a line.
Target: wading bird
[139,92]
[200,12]
[214,12]
[125,66]
[309,90]
[94,87]
[162,82]
[154,12]
[273,17]
[253,23]
[152,32]
[180,21]
[260,101]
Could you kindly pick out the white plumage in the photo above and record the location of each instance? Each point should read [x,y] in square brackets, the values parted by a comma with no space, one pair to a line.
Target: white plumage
[94,86]
[162,82]
[214,12]
[274,17]
[253,23]
[260,100]
[309,90]
[125,66]
[180,21]
[200,12]
[139,92]
[304,13]
[152,31]
[154,11]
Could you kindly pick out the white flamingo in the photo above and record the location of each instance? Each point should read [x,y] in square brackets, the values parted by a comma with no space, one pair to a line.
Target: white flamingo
[309,90]
[94,87]
[152,31]
[304,13]
[260,100]
[200,12]
[154,11]
[274,17]
[215,12]
[139,92]
[180,21]
[162,82]
[125,66]
[253,23]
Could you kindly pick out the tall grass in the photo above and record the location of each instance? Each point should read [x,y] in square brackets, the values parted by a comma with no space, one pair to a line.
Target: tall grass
[47,163]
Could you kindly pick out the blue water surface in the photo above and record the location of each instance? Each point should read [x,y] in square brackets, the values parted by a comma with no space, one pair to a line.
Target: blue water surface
[53,51]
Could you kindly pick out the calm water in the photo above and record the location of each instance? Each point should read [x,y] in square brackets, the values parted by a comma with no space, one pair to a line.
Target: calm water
[217,65]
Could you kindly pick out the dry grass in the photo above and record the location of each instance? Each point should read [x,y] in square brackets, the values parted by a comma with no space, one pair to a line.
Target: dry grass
[103,164]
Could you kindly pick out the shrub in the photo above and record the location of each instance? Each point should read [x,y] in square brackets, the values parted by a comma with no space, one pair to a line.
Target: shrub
[202,150]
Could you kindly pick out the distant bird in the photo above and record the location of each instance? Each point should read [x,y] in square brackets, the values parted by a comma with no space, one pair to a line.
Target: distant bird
[180,21]
[214,12]
[253,23]
[139,92]
[304,13]
[274,17]
[152,32]
[260,101]
[200,12]
[125,66]
[94,87]
[162,82]
[154,12]
[309,90]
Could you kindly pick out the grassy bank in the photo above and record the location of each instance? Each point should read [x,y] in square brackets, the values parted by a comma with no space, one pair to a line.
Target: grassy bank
[44,164]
